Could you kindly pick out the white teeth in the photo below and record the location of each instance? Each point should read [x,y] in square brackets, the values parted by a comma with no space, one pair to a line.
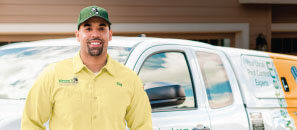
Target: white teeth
[95,43]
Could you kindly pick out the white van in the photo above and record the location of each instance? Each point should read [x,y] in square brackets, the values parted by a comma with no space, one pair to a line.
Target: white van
[191,85]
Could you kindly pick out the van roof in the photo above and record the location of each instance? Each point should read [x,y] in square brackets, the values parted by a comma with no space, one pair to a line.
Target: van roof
[116,41]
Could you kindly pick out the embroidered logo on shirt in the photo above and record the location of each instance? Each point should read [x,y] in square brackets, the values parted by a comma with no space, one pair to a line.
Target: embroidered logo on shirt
[119,84]
[69,82]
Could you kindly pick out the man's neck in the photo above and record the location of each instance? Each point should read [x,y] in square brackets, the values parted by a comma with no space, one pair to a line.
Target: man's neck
[94,63]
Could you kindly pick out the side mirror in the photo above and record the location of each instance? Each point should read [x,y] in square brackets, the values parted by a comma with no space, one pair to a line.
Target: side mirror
[163,95]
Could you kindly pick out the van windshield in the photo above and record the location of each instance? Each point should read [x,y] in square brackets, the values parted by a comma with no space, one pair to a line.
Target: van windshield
[20,67]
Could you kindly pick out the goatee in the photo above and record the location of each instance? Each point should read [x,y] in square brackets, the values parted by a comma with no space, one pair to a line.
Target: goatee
[95,51]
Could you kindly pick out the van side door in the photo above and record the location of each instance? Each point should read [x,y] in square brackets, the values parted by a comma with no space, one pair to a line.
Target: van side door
[173,88]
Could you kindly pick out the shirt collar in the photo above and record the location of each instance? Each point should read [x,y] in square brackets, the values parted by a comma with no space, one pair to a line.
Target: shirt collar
[78,65]
[110,65]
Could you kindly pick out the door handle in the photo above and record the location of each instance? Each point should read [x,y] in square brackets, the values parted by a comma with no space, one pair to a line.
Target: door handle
[285,84]
[201,127]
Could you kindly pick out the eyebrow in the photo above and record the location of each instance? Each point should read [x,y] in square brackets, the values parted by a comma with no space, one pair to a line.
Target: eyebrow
[102,24]
[87,25]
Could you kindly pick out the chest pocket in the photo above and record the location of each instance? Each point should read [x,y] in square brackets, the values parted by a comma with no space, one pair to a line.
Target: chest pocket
[117,98]
[67,97]
[72,93]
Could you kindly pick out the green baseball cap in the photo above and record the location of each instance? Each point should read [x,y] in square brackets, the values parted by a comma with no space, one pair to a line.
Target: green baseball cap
[92,11]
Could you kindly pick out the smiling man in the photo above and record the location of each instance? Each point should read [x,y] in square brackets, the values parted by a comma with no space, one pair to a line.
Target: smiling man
[90,91]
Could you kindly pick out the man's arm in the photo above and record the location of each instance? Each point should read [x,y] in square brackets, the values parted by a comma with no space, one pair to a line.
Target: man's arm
[138,115]
[38,106]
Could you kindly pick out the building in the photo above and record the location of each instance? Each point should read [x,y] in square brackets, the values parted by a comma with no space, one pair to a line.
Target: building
[234,23]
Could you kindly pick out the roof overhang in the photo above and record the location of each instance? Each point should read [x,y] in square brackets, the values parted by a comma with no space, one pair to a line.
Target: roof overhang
[268,1]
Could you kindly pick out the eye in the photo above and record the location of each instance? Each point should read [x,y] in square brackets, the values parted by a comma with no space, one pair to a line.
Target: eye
[88,29]
[101,28]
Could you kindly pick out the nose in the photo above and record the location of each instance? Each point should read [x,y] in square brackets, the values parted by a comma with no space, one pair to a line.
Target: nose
[95,34]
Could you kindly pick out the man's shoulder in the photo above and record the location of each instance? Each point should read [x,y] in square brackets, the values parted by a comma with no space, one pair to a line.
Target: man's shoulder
[66,62]
[123,70]
[60,65]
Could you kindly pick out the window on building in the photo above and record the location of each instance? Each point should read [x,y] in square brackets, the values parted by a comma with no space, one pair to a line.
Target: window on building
[5,43]
[284,45]
[218,39]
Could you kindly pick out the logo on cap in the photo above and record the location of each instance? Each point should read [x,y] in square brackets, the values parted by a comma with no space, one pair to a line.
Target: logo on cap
[95,10]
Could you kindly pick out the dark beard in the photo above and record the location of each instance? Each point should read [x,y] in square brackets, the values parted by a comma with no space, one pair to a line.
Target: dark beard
[95,51]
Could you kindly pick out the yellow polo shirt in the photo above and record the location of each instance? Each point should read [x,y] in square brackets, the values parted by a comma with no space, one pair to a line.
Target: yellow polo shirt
[72,97]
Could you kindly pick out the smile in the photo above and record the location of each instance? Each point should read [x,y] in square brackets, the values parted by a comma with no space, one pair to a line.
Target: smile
[95,43]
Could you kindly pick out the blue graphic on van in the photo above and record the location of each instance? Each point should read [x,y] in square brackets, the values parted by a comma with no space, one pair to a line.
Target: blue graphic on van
[294,72]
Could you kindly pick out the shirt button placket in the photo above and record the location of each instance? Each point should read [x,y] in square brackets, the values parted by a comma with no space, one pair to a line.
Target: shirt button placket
[94,103]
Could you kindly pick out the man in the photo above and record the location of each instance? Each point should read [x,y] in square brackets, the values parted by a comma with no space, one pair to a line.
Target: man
[90,91]
[261,43]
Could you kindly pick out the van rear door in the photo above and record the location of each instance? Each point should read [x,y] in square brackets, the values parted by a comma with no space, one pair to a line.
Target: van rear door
[224,101]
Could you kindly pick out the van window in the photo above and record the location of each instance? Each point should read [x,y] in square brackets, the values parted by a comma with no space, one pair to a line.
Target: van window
[217,84]
[168,68]
[21,66]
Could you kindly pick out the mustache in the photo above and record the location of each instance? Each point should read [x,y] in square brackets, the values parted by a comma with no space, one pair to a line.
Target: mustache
[96,39]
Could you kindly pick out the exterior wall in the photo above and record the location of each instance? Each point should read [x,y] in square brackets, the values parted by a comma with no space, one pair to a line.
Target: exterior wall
[141,11]
[284,14]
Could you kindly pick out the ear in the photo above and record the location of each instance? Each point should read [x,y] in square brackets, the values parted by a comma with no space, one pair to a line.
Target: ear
[110,35]
[77,35]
